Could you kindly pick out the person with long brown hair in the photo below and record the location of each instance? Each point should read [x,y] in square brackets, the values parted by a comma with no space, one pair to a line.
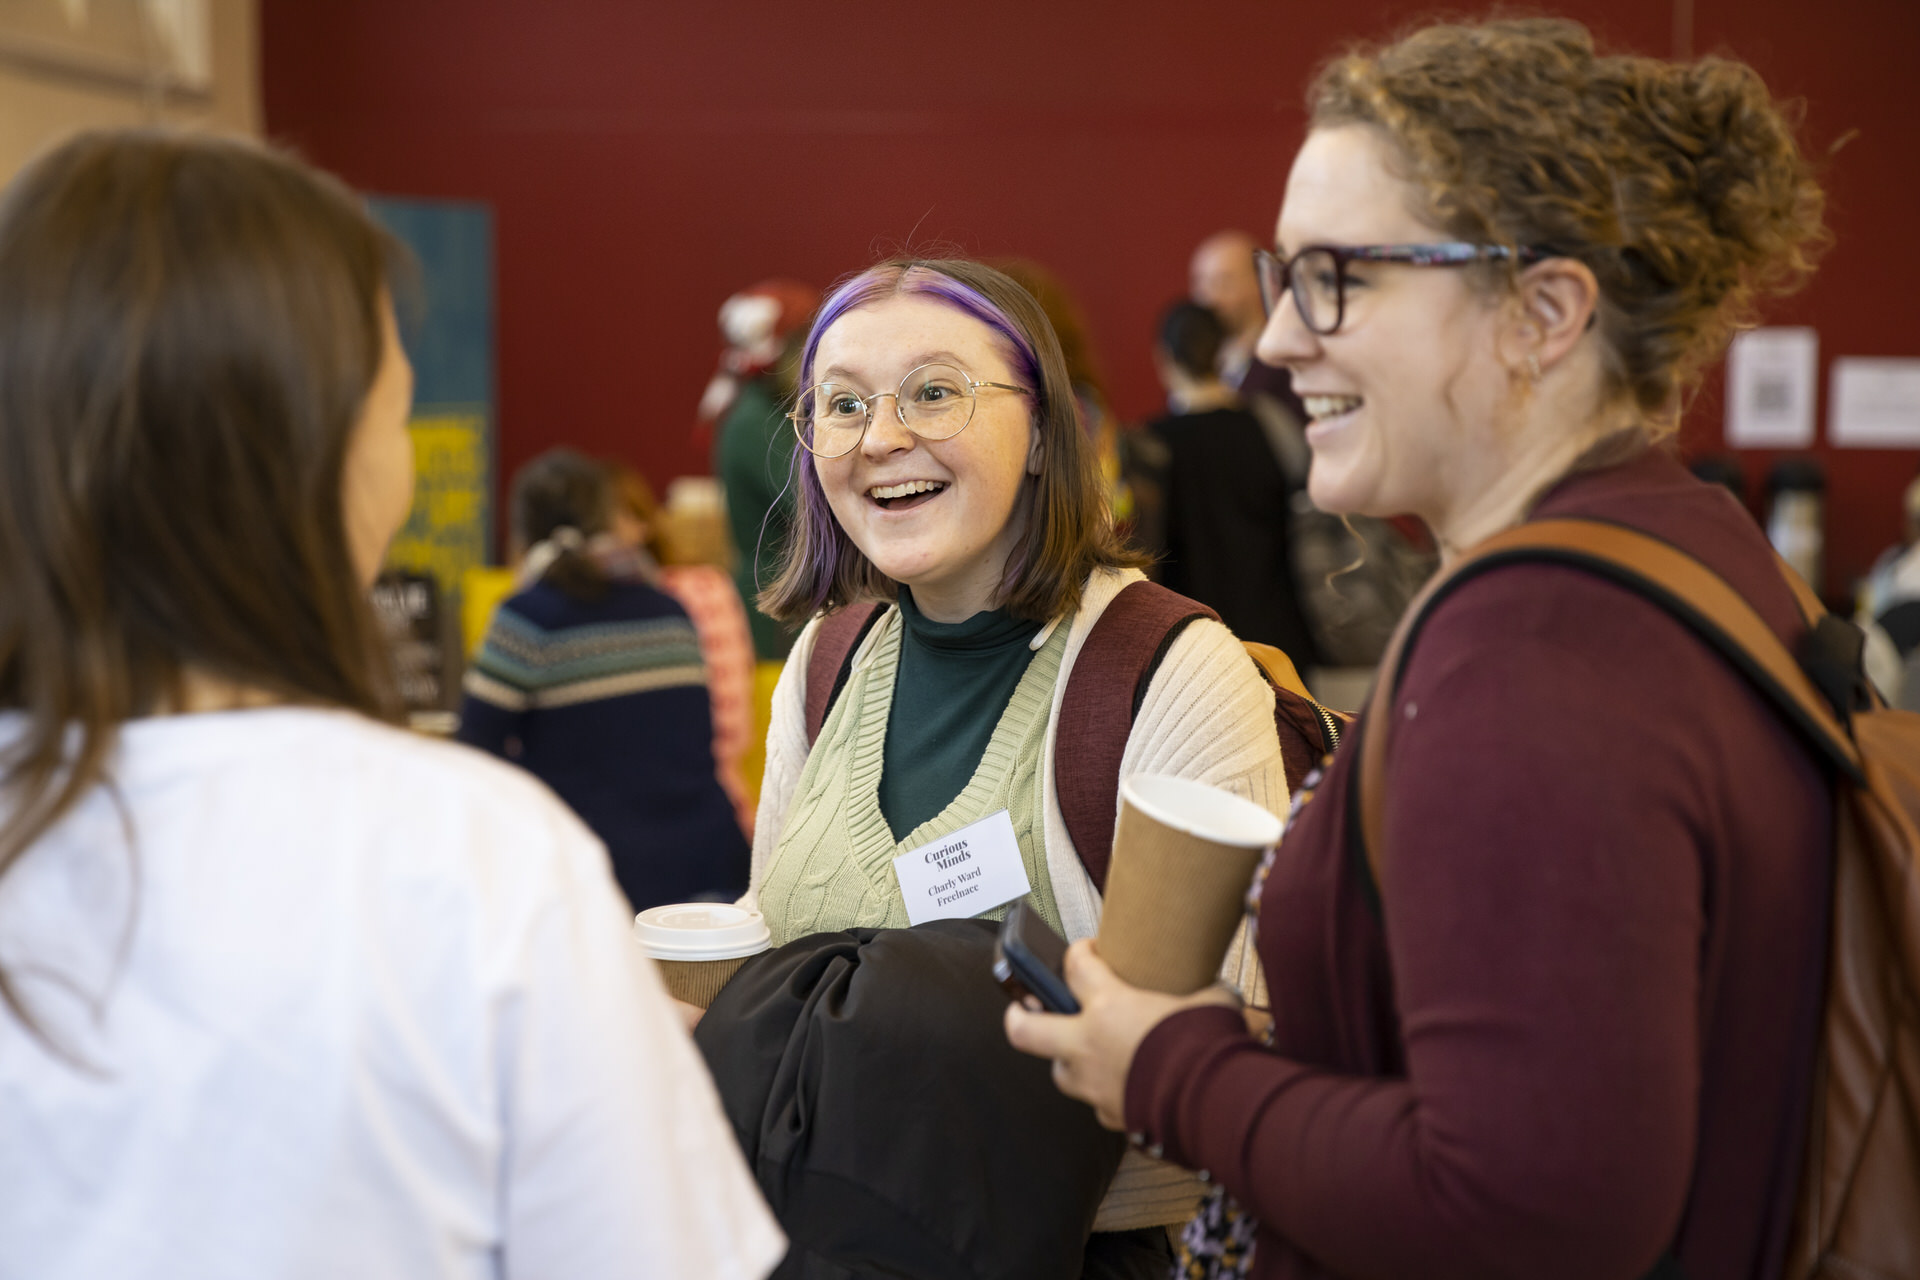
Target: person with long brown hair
[1546,989]
[289,991]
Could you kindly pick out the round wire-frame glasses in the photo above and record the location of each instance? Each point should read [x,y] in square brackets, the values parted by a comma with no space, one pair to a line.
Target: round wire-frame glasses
[934,401]
[1317,275]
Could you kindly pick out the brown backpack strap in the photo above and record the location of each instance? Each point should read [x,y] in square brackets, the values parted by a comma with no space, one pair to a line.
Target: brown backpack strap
[1104,691]
[1277,667]
[839,634]
[1663,574]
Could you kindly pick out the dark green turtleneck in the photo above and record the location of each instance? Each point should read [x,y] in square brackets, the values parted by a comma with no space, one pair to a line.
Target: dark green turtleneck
[954,682]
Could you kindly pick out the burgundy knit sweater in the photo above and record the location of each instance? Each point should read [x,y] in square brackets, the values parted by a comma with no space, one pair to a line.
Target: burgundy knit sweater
[1576,1031]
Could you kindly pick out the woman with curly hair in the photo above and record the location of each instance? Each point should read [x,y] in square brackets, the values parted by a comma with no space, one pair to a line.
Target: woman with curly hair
[1569,1031]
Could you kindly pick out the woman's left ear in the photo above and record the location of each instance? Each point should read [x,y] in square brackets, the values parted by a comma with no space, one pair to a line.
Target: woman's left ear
[1034,453]
[1558,297]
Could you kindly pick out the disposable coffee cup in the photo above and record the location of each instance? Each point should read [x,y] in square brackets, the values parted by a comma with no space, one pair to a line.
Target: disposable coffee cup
[1183,856]
[699,945]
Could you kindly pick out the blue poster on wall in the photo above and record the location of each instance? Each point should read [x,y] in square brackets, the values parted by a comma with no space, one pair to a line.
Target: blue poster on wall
[448,333]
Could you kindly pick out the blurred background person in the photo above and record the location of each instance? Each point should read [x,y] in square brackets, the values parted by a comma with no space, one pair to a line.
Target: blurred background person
[719,618]
[1083,371]
[289,991]
[1221,278]
[1226,498]
[1894,580]
[590,677]
[748,398]
[1889,609]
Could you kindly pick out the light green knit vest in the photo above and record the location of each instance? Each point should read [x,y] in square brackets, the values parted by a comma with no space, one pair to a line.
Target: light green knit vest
[832,867]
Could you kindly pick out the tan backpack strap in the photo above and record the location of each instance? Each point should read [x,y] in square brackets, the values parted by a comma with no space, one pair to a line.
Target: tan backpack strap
[1281,672]
[1668,576]
[1701,598]
[1810,607]
[1373,731]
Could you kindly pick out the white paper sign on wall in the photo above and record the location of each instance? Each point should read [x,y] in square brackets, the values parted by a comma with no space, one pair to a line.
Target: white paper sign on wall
[1772,376]
[1876,403]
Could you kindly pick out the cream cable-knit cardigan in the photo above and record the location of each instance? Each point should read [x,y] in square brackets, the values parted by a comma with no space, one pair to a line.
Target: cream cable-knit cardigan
[1207,716]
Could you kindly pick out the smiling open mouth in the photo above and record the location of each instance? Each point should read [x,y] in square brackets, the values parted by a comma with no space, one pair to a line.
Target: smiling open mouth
[1319,407]
[902,497]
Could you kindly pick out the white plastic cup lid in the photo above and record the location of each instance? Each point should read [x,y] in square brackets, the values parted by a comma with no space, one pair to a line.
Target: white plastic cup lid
[1202,810]
[694,931]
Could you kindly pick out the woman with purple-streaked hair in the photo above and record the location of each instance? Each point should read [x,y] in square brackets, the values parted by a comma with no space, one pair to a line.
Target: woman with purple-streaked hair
[943,472]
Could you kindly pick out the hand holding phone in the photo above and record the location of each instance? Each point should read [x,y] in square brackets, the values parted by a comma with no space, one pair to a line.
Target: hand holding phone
[1029,958]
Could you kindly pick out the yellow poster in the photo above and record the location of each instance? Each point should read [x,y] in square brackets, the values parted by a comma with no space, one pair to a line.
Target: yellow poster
[446,534]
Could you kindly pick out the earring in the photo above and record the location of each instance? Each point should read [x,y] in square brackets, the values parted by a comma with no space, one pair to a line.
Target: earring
[1533,366]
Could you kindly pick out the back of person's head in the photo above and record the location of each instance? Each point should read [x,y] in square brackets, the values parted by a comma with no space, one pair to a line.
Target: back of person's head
[1222,279]
[1191,337]
[763,327]
[1068,529]
[1680,185]
[189,329]
[560,501]
[1069,325]
[633,500]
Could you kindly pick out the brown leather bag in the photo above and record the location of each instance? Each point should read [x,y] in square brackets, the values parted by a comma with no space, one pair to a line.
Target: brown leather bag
[1857,1215]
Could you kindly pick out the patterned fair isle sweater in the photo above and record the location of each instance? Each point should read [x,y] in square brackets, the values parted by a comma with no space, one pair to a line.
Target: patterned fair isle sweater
[606,702]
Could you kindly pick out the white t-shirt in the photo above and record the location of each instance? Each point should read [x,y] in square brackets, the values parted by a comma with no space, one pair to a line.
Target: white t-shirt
[355,1004]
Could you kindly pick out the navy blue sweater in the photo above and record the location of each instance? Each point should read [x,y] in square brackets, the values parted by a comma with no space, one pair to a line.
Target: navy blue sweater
[606,702]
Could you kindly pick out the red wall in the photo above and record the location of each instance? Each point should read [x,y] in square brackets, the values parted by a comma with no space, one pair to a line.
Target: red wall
[646,160]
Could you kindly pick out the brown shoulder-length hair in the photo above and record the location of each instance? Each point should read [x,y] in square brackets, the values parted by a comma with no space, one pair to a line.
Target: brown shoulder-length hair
[1067,523]
[189,328]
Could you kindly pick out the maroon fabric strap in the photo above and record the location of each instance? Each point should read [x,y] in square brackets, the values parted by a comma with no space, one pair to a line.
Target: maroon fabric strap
[1104,691]
[833,644]
[1096,713]
[1308,732]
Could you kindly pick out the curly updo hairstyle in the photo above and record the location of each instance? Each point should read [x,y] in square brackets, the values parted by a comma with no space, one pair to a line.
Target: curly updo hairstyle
[1680,185]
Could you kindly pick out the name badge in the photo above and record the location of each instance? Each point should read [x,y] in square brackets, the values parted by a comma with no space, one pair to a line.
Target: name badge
[975,869]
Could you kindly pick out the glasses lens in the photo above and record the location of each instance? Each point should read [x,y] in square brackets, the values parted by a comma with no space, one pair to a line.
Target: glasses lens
[937,401]
[1316,287]
[1273,279]
[835,419]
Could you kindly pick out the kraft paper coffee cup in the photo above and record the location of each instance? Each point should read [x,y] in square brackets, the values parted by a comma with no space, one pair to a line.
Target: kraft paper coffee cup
[1183,856]
[699,945]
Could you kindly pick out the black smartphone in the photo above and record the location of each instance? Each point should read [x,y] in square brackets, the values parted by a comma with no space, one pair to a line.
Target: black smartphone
[1028,957]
